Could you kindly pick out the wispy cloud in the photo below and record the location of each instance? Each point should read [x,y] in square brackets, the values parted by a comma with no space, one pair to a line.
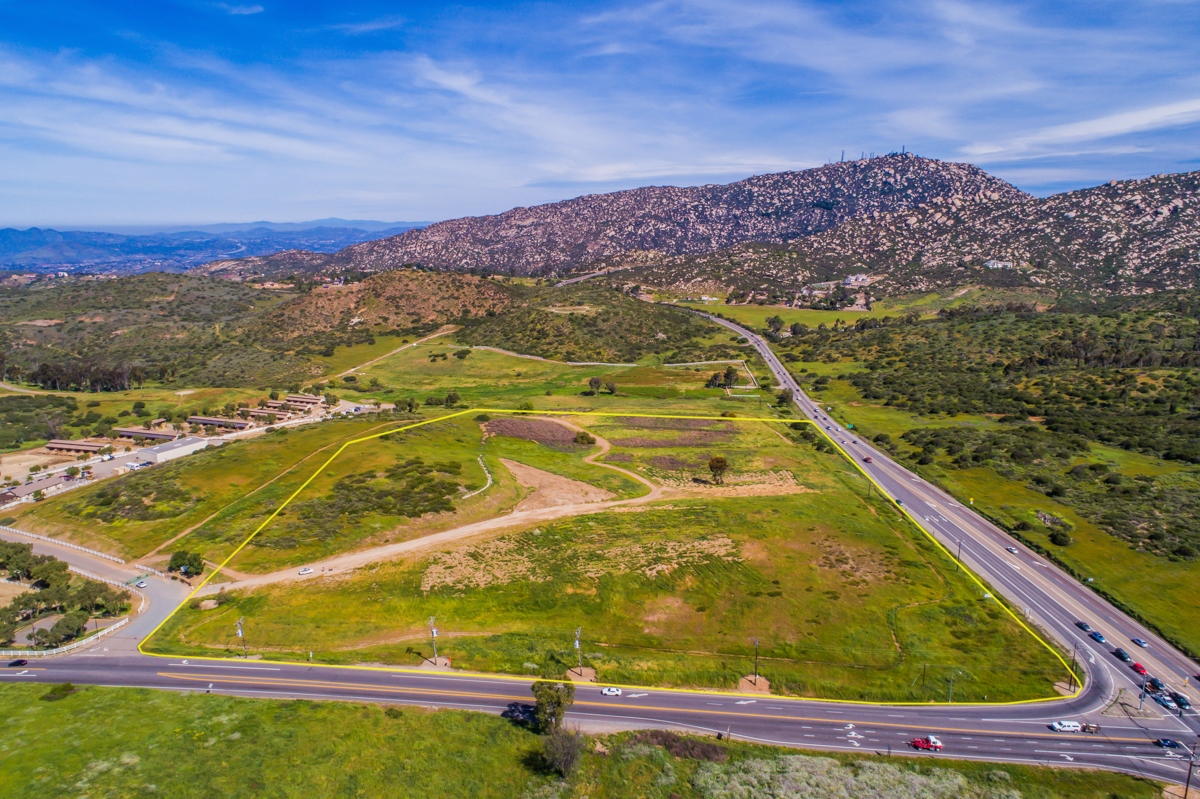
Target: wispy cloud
[473,110]
[369,26]
[240,11]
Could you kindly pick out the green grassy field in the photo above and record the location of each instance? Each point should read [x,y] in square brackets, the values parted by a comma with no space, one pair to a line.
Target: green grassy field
[209,481]
[847,598]
[755,316]
[113,742]
[1158,590]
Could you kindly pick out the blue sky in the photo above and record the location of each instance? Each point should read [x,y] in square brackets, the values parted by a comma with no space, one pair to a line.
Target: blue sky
[185,111]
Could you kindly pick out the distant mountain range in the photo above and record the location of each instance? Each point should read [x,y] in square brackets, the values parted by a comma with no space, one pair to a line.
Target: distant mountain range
[39,249]
[913,223]
[667,220]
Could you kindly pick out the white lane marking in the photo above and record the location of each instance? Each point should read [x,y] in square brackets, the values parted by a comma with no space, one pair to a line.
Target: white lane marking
[639,696]
[746,702]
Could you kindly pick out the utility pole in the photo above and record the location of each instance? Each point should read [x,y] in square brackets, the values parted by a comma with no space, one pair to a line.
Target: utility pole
[433,635]
[578,651]
[958,565]
[756,661]
[1142,693]
[1187,787]
[241,633]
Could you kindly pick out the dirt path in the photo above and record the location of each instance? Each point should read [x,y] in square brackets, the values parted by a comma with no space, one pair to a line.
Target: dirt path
[551,490]
[442,332]
[342,564]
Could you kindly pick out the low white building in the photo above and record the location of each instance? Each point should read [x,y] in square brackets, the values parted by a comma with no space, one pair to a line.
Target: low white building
[172,449]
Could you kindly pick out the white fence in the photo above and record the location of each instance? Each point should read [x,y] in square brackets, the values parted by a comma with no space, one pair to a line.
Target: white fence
[41,653]
[76,547]
[82,642]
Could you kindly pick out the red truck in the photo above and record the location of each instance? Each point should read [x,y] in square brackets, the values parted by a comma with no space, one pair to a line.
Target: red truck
[929,743]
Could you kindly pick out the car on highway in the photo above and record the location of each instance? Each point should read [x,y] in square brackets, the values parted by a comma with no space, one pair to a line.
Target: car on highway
[900,502]
[929,743]
[610,691]
[1166,701]
[1097,636]
[1138,667]
[1168,743]
[18,663]
[868,459]
[1181,700]
[1083,625]
[1066,726]
[141,584]
[1156,685]
[1121,655]
[1012,550]
[305,571]
[1140,642]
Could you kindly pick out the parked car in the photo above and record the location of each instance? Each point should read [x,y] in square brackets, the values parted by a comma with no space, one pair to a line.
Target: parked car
[305,571]
[18,663]
[610,691]
[929,743]
[1121,655]
[1140,642]
[1181,700]
[1066,726]
[1139,668]
[1097,636]
[1083,625]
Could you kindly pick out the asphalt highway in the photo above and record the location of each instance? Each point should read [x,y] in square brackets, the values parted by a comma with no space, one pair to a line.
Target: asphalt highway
[1051,600]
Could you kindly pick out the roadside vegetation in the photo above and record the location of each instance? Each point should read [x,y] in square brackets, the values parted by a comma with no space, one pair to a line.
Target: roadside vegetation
[39,592]
[1075,428]
[124,741]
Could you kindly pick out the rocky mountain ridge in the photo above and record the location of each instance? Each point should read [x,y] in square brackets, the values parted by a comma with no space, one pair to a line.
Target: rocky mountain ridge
[667,220]
[1124,237]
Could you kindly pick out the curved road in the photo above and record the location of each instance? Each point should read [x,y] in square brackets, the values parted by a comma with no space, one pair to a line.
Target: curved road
[1011,733]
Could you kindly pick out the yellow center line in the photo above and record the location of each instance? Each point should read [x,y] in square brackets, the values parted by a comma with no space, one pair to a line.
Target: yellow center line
[286,682]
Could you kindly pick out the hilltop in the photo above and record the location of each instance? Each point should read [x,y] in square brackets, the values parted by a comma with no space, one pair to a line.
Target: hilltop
[1125,237]
[664,220]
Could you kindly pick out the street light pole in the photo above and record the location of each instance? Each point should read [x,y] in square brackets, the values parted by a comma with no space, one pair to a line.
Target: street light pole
[433,635]
[950,699]
[958,565]
[578,651]
[241,633]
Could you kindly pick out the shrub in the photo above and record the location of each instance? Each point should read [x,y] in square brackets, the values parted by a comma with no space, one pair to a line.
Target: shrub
[1060,538]
[561,750]
[584,438]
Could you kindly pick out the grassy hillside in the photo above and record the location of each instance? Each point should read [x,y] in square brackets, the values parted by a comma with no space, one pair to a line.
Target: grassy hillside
[109,742]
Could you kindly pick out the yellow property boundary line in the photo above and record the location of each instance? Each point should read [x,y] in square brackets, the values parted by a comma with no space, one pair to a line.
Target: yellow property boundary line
[474,675]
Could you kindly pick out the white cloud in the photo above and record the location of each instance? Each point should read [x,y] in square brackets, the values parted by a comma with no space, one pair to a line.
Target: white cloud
[370,26]
[240,11]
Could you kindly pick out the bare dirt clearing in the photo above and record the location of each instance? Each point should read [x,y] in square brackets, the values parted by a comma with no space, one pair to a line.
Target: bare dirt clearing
[551,490]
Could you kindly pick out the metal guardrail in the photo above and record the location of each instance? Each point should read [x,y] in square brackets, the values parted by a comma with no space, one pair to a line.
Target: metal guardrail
[76,547]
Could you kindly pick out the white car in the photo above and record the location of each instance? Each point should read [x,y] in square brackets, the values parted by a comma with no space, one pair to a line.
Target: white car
[610,691]
[142,584]
[1012,549]
[305,571]
[1066,726]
